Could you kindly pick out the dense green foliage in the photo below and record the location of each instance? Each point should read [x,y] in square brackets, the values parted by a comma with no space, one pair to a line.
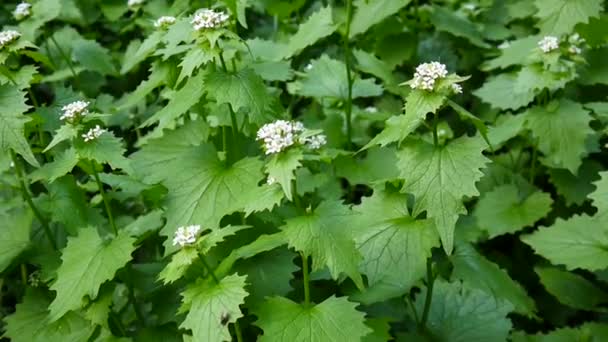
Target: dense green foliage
[328,171]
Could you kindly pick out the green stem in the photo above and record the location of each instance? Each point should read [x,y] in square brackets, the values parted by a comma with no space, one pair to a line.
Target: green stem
[533,163]
[296,199]
[104,197]
[209,269]
[64,56]
[28,198]
[235,128]
[414,312]
[24,274]
[430,280]
[349,79]
[237,331]
[435,122]
[306,279]
[138,313]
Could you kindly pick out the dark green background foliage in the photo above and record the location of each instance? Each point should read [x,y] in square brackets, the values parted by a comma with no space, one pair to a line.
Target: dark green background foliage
[428,215]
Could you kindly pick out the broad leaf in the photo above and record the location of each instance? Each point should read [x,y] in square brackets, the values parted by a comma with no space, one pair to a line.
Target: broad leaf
[333,320]
[93,57]
[593,331]
[87,262]
[571,289]
[281,167]
[12,108]
[63,163]
[105,149]
[559,17]
[369,13]
[15,236]
[439,177]
[446,21]
[318,25]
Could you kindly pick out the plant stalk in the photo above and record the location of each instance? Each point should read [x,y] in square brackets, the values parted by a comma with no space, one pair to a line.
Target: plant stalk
[209,269]
[64,56]
[235,127]
[104,197]
[237,331]
[306,279]
[28,198]
[435,122]
[430,280]
[349,78]
[533,162]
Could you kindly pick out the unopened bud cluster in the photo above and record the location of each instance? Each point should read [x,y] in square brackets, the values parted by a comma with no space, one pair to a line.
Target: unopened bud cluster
[551,43]
[185,236]
[74,110]
[575,42]
[93,133]
[134,3]
[281,134]
[164,22]
[22,11]
[8,36]
[426,74]
[208,19]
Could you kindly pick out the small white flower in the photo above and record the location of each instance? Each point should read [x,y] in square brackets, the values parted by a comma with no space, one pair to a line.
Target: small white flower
[186,235]
[548,44]
[308,67]
[504,45]
[575,50]
[576,39]
[427,73]
[22,11]
[469,7]
[164,22]
[74,110]
[279,135]
[93,133]
[270,180]
[441,132]
[208,19]
[11,165]
[316,141]
[8,36]
[34,279]
[371,109]
[134,3]
[456,88]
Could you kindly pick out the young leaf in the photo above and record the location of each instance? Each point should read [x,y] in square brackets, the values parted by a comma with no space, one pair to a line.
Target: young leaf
[93,57]
[105,149]
[281,167]
[326,236]
[505,210]
[439,177]
[65,132]
[576,188]
[480,273]
[208,303]
[12,120]
[390,241]
[64,163]
[447,21]
[460,314]
[559,17]
[15,236]
[243,89]
[579,242]
[561,132]
[318,25]
[145,49]
[333,320]
[369,13]
[88,261]
[571,289]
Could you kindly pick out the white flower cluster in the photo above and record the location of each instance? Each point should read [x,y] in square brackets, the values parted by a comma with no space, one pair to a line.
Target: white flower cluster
[93,133]
[575,41]
[426,74]
[22,11]
[315,142]
[208,19]
[164,22]
[8,36]
[134,3]
[371,109]
[548,44]
[186,235]
[279,135]
[74,110]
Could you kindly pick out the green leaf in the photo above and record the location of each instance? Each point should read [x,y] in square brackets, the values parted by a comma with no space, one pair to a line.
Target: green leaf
[501,92]
[596,72]
[576,188]
[207,303]
[159,73]
[505,210]
[30,323]
[262,198]
[439,177]
[571,289]
[60,166]
[391,241]
[193,59]
[87,262]
[377,166]
[145,49]
[559,17]
[589,331]
[333,320]
[460,314]
[446,21]
[506,127]
[15,236]
[12,120]
[326,236]
[179,103]
[281,167]
[318,25]
[480,273]
[579,242]
[42,11]
[600,195]
[516,53]
[105,149]
[562,130]
[244,89]
[65,132]
[369,13]
[327,78]
[93,57]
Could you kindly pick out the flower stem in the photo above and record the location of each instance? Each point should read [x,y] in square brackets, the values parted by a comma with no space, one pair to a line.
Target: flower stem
[209,269]
[533,162]
[430,280]
[106,202]
[64,56]
[435,122]
[349,79]
[235,128]
[28,198]
[305,278]
[237,331]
